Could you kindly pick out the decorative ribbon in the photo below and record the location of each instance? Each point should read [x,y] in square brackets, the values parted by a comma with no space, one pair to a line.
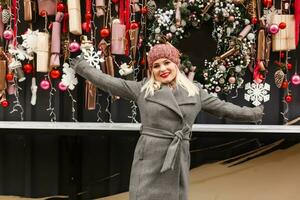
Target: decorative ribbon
[55,40]
[297,20]
[88,15]
[124,13]
[257,76]
[65,21]
[174,147]
[15,22]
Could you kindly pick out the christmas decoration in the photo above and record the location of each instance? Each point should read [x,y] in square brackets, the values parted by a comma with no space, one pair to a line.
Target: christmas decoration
[257,93]
[68,78]
[45,85]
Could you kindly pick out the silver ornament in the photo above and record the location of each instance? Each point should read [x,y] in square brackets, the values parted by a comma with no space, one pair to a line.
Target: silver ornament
[151,6]
[6,14]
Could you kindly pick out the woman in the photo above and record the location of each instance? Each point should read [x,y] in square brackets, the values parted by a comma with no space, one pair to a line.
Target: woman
[168,104]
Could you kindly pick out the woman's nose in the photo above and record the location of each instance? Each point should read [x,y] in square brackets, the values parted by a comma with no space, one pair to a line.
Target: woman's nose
[162,68]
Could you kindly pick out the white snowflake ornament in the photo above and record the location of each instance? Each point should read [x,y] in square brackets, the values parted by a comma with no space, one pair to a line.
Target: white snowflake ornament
[68,78]
[30,41]
[92,57]
[257,93]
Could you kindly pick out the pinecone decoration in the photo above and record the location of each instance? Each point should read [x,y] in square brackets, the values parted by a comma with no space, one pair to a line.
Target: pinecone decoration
[6,14]
[279,77]
[151,5]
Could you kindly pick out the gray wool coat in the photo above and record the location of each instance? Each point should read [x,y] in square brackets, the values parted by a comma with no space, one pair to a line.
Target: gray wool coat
[161,162]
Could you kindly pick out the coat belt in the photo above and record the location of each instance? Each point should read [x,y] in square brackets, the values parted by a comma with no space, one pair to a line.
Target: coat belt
[177,137]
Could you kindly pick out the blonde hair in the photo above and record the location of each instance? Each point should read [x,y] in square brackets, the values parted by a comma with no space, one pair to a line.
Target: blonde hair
[181,80]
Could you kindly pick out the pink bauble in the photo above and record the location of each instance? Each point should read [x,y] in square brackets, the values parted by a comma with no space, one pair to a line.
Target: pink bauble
[8,34]
[45,85]
[74,47]
[62,87]
[273,29]
[296,79]
[231,80]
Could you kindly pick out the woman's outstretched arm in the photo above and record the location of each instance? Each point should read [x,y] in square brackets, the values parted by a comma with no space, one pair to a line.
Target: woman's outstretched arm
[223,109]
[115,86]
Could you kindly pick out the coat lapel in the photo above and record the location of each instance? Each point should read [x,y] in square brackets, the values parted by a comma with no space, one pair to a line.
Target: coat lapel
[165,97]
[182,98]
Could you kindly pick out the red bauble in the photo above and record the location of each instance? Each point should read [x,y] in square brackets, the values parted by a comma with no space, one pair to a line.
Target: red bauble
[104,32]
[267,3]
[9,76]
[27,68]
[4,103]
[282,25]
[254,20]
[134,25]
[43,13]
[144,10]
[142,62]
[55,73]
[60,7]
[115,1]
[289,66]
[288,98]
[282,54]
[285,84]
[86,27]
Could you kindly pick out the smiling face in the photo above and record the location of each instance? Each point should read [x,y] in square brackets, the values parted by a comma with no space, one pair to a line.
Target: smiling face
[164,70]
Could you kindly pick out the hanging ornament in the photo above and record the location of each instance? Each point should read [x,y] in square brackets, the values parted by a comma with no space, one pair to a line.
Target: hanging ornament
[257,93]
[288,98]
[295,79]
[100,7]
[273,28]
[285,84]
[9,76]
[55,73]
[45,84]
[4,104]
[134,25]
[279,77]
[33,91]
[151,8]
[282,54]
[8,34]
[74,47]
[6,14]
[28,68]
[105,32]
[62,87]
[60,7]
[267,3]
[289,66]
[144,10]
[68,78]
[282,25]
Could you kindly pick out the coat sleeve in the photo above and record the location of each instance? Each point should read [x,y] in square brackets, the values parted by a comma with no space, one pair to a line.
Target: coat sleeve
[222,109]
[129,90]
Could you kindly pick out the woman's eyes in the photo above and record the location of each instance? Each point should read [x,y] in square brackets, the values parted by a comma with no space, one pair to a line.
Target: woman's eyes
[166,62]
[155,66]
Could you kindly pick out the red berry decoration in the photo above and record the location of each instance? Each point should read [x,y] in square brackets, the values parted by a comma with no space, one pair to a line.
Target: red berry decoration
[267,3]
[285,84]
[104,32]
[9,76]
[144,10]
[60,7]
[281,54]
[288,98]
[134,25]
[254,20]
[4,103]
[282,25]
[55,73]
[27,68]
[289,66]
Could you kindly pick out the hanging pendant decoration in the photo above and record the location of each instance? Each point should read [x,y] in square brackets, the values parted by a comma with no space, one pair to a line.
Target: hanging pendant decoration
[257,93]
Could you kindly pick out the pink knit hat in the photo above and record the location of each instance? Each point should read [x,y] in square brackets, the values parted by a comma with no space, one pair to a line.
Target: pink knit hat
[163,51]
